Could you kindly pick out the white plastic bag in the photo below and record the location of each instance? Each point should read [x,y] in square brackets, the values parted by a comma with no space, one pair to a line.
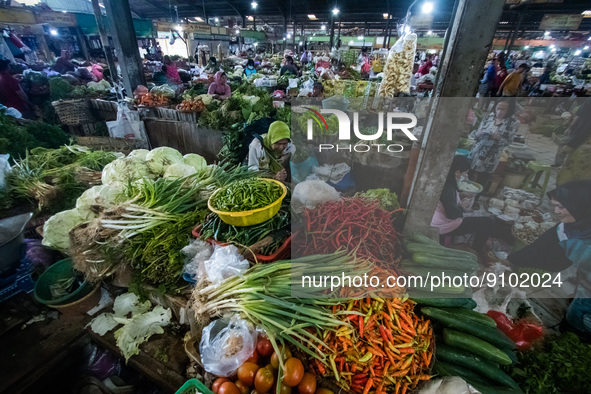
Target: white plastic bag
[197,253]
[226,344]
[4,169]
[448,385]
[309,194]
[224,263]
[128,125]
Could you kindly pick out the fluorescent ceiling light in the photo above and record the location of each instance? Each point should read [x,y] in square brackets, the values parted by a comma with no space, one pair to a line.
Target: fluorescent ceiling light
[586,47]
[199,19]
[351,42]
[250,18]
[254,5]
[577,52]
[323,27]
[586,14]
[53,32]
[427,7]
[335,11]
[385,15]
[312,17]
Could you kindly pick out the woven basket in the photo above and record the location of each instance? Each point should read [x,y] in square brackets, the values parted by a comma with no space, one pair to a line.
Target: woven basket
[88,177]
[73,112]
[108,144]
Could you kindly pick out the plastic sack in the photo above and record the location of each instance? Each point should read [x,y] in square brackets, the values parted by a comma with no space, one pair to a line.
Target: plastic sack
[102,363]
[309,194]
[448,385]
[4,169]
[128,125]
[224,263]
[226,344]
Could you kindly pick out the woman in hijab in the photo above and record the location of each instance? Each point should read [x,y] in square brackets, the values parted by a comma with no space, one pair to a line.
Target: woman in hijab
[172,72]
[64,63]
[271,152]
[219,89]
[449,213]
[566,244]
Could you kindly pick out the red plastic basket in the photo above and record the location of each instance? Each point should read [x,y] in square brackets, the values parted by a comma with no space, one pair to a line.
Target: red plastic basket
[283,252]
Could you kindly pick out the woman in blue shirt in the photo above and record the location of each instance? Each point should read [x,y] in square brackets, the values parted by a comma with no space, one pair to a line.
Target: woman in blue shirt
[249,70]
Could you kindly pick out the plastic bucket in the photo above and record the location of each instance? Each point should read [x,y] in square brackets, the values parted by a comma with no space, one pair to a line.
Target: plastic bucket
[61,270]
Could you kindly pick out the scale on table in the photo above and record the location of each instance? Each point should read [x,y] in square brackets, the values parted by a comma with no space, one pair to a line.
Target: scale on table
[15,268]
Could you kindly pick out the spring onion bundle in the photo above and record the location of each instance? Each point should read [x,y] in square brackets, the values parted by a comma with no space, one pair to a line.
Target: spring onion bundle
[263,295]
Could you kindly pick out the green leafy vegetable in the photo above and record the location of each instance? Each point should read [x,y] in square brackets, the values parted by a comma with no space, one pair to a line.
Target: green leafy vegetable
[388,200]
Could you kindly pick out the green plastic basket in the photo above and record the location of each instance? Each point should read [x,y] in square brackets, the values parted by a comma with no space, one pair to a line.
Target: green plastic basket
[195,385]
[63,269]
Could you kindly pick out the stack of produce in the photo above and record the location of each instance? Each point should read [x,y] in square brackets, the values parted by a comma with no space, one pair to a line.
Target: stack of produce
[272,377]
[246,195]
[48,177]
[141,216]
[356,224]
[469,345]
[430,258]
[387,348]
[158,96]
[274,298]
[191,105]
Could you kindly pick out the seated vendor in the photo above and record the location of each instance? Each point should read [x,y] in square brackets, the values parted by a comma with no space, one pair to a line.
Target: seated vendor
[565,244]
[271,152]
[449,214]
[220,89]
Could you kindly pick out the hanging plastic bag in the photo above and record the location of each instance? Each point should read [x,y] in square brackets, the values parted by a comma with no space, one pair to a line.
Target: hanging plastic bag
[399,64]
[524,333]
[447,385]
[128,125]
[197,253]
[226,344]
[224,263]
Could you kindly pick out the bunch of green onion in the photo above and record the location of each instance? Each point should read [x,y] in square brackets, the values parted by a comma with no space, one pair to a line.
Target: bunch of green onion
[263,295]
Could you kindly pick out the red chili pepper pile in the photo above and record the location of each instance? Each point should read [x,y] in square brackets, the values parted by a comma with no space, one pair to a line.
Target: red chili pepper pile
[387,348]
[356,224]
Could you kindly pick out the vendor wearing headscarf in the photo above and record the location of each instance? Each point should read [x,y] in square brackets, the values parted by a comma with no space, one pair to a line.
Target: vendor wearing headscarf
[566,244]
[64,63]
[271,152]
[219,89]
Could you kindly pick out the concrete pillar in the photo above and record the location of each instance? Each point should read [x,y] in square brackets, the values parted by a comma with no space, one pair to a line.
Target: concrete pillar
[128,54]
[331,32]
[105,41]
[468,42]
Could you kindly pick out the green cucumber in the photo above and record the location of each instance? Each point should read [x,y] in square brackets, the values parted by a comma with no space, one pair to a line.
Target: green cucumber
[492,335]
[475,345]
[473,316]
[476,364]
[511,354]
[439,250]
[467,303]
[449,369]
[479,382]
[450,263]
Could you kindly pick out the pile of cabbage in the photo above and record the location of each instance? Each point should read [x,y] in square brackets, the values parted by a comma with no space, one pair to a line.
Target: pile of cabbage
[117,176]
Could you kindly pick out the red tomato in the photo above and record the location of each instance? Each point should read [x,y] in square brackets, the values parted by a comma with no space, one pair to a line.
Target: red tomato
[293,372]
[243,388]
[275,357]
[247,372]
[264,347]
[216,385]
[264,380]
[322,390]
[308,384]
[254,358]
[228,388]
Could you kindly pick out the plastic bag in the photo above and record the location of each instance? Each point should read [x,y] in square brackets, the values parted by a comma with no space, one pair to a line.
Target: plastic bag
[4,169]
[448,385]
[226,344]
[196,253]
[128,125]
[524,333]
[224,263]
[309,194]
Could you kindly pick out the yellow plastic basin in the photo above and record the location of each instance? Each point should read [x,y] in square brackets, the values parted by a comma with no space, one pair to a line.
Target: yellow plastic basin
[252,217]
